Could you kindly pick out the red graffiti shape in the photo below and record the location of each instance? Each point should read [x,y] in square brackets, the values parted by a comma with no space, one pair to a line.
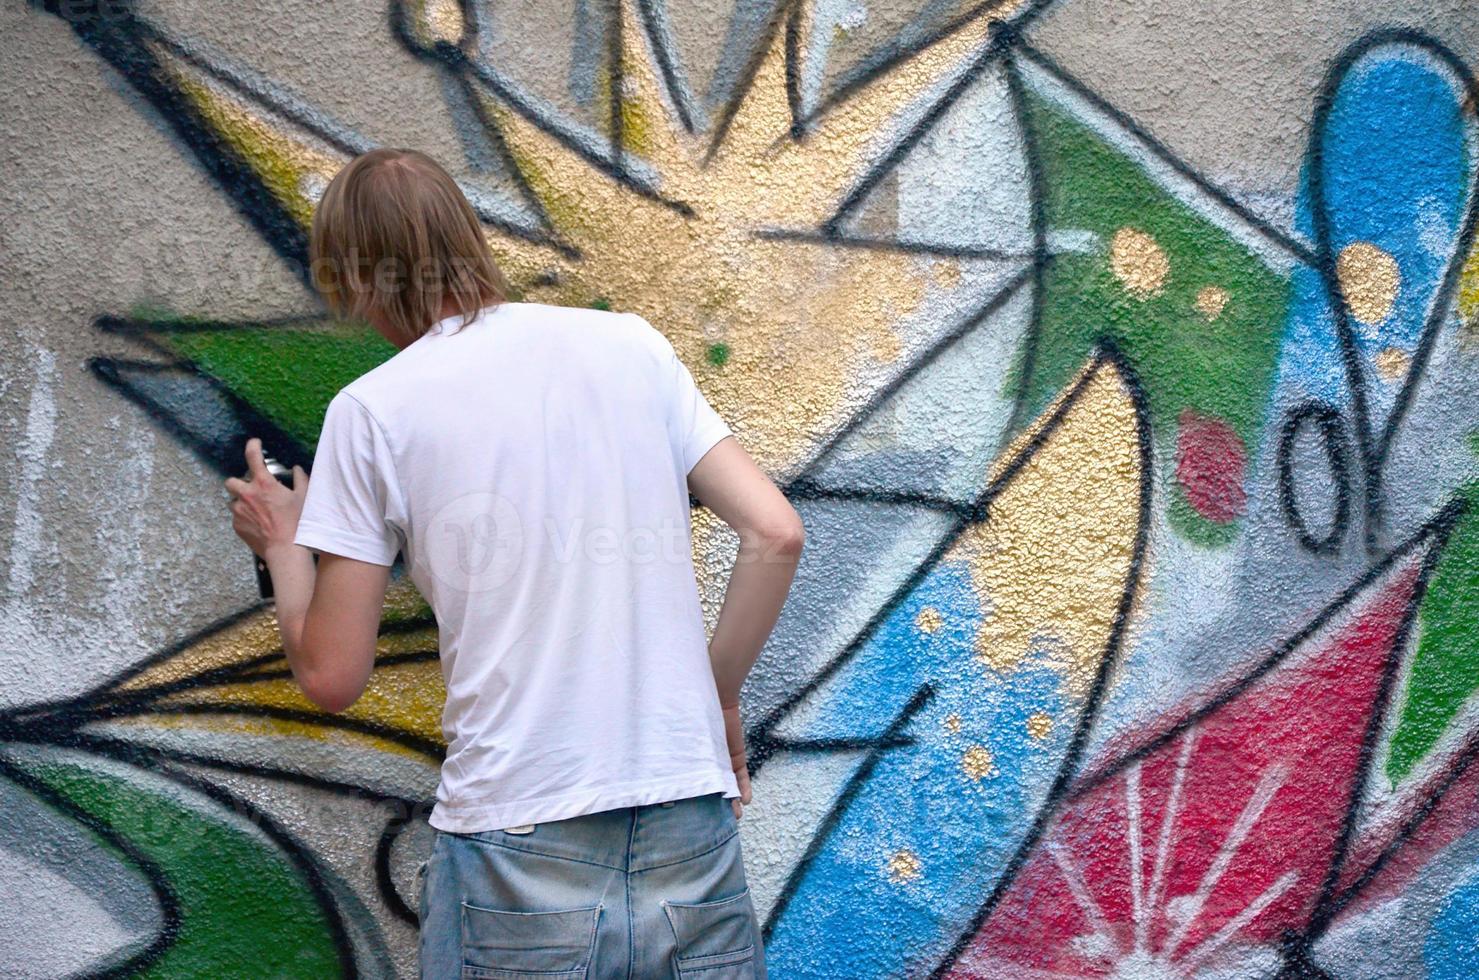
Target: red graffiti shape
[1210,463]
[1203,848]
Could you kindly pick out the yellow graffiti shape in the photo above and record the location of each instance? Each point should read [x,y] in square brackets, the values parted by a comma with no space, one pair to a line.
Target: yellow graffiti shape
[1052,561]
[294,166]
[1468,294]
[1369,279]
[777,327]
[403,698]
[714,239]
[237,679]
[1139,263]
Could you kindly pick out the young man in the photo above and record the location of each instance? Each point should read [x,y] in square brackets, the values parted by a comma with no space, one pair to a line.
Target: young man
[533,464]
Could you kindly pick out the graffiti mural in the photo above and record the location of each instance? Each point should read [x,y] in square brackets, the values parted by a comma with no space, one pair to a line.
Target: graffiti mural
[1136,633]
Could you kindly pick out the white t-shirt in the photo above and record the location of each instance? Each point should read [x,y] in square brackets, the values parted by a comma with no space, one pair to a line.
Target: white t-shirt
[532,467]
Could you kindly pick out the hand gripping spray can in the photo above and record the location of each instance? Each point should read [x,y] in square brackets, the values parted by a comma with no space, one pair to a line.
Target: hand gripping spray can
[285,477]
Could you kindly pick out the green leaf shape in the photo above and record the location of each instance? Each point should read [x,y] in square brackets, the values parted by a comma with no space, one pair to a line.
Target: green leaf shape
[1223,367]
[1445,671]
[287,372]
[244,907]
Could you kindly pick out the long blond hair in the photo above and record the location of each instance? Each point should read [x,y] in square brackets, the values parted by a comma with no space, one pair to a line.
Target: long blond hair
[393,233]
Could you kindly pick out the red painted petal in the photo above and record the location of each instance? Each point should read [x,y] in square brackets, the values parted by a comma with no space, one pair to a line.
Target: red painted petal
[1249,793]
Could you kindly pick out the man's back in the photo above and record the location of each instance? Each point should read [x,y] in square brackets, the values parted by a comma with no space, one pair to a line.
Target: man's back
[534,468]
[532,465]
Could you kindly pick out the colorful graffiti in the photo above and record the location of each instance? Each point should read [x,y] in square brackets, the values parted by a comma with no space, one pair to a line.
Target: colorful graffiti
[1136,632]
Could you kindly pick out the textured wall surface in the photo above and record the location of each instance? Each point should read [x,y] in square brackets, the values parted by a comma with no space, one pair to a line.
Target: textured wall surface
[1120,357]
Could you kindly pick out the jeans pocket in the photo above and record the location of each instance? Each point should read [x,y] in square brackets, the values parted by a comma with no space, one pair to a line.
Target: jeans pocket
[500,944]
[715,940]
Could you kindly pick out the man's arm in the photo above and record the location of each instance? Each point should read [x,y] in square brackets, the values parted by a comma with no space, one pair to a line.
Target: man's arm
[329,620]
[771,536]
[329,617]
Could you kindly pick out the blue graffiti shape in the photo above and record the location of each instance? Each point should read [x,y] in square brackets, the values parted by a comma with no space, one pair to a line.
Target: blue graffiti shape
[1452,948]
[927,835]
[1386,195]
[1395,164]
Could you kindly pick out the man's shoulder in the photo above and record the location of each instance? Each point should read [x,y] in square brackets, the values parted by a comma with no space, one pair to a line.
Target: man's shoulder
[590,317]
[371,387]
[413,363]
[612,332]
[608,336]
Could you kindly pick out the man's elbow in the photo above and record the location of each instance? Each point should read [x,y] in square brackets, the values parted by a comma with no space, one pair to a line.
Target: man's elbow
[330,692]
[784,538]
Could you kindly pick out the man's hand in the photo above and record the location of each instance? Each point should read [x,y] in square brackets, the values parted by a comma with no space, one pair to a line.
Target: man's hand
[734,734]
[264,512]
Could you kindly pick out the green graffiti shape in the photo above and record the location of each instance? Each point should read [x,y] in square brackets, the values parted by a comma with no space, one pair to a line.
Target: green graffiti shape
[1221,367]
[1445,671]
[243,905]
[288,373]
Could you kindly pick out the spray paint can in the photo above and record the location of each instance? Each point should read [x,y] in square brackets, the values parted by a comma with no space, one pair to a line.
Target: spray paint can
[285,477]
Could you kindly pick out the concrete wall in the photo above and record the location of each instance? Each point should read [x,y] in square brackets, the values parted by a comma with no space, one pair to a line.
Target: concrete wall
[1119,356]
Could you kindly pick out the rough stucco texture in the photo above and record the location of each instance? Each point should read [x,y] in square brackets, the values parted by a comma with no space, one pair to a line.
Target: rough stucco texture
[1119,357]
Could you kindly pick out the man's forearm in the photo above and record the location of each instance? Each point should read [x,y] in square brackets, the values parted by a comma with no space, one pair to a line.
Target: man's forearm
[293,576]
[753,599]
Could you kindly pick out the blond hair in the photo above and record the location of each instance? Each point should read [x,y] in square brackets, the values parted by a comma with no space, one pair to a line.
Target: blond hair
[394,234]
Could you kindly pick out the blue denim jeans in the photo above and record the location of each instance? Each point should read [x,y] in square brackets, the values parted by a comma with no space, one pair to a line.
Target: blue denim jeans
[633,893]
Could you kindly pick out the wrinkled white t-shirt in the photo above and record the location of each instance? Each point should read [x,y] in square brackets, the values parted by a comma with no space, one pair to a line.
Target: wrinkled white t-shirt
[532,467]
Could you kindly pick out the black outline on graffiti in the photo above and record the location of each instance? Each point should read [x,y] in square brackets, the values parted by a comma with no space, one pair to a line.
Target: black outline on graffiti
[1038,209]
[1441,527]
[406,810]
[61,724]
[806,487]
[1002,37]
[1431,799]
[1332,436]
[123,42]
[765,744]
[1295,248]
[654,23]
[1373,457]
[169,901]
[1434,535]
[113,372]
